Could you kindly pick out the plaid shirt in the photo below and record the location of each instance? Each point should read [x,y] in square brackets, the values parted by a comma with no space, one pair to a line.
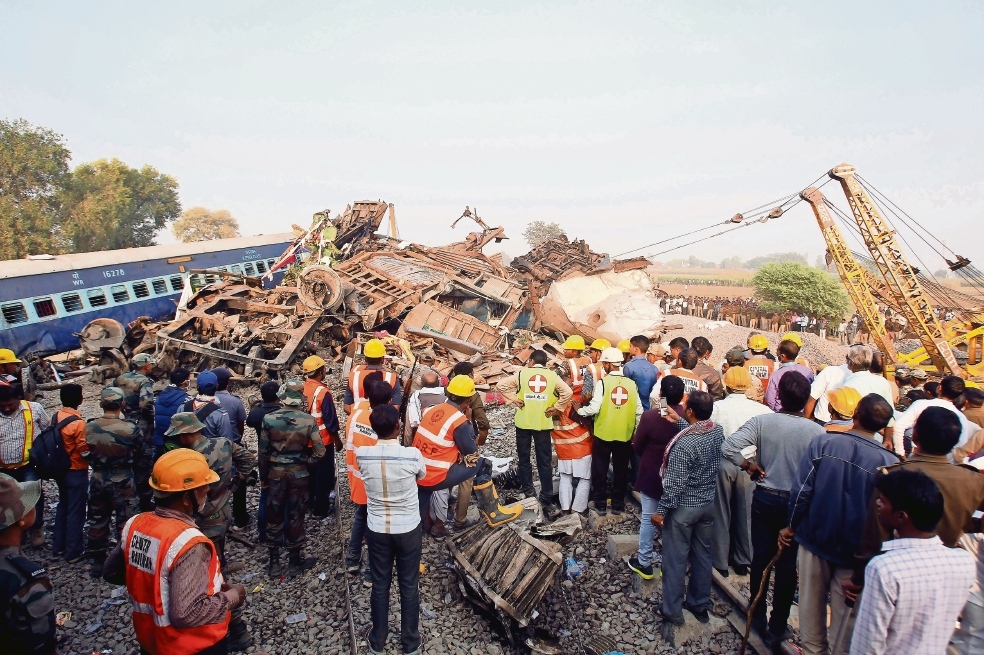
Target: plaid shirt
[912,596]
[691,470]
[12,432]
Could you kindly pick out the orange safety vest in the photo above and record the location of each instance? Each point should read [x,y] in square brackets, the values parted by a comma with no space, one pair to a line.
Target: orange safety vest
[314,392]
[597,372]
[28,436]
[358,432]
[359,373]
[577,377]
[691,381]
[151,546]
[835,427]
[571,439]
[760,367]
[435,441]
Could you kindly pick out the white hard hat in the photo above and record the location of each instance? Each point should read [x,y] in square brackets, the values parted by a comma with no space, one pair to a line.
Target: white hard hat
[612,356]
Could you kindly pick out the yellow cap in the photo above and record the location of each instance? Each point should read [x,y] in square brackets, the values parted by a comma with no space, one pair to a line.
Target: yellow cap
[970,384]
[737,378]
[624,345]
[462,386]
[792,336]
[758,343]
[600,344]
[312,364]
[374,349]
[844,400]
[180,470]
[574,342]
[7,356]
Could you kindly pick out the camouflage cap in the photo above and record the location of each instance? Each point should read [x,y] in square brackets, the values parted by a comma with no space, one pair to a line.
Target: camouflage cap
[184,423]
[735,357]
[112,395]
[142,359]
[919,374]
[427,355]
[902,372]
[17,499]
[292,392]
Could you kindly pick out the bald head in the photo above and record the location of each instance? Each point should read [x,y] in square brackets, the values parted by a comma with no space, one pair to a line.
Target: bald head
[430,380]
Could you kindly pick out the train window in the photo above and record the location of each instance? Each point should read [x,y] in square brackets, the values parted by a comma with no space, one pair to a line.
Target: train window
[45,307]
[120,294]
[248,268]
[140,289]
[14,313]
[236,268]
[271,263]
[177,284]
[160,288]
[97,298]
[260,267]
[71,302]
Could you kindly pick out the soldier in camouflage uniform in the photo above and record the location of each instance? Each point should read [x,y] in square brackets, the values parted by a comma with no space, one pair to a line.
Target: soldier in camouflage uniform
[138,390]
[27,605]
[288,441]
[115,446]
[231,462]
[903,378]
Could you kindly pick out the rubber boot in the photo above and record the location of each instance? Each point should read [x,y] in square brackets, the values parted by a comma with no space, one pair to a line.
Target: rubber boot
[488,503]
[298,564]
[273,569]
[238,638]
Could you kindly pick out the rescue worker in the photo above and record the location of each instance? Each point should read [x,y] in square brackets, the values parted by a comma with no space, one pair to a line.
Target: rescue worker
[424,364]
[595,371]
[208,408]
[138,401]
[749,352]
[800,359]
[572,441]
[617,409]
[711,377]
[676,346]
[20,422]
[686,362]
[574,362]
[375,353]
[903,380]
[656,354]
[624,347]
[359,432]
[269,402]
[231,462]
[116,445]
[322,408]
[181,602]
[540,395]
[919,377]
[446,439]
[757,363]
[27,622]
[480,423]
[842,402]
[9,369]
[288,442]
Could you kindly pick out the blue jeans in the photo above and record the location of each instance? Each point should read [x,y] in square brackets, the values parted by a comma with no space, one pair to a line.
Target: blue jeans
[359,520]
[647,531]
[73,494]
[687,539]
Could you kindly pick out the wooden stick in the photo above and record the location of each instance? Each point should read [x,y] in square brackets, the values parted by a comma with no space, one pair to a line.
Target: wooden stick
[761,592]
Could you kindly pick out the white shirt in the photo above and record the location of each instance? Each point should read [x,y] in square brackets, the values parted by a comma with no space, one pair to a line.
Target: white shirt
[390,473]
[865,382]
[734,411]
[594,406]
[827,380]
[908,418]
[414,406]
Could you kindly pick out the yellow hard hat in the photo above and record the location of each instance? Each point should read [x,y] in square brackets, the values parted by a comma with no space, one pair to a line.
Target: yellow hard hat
[462,386]
[600,344]
[624,345]
[7,356]
[970,384]
[792,336]
[758,343]
[180,470]
[374,349]
[574,342]
[737,378]
[312,364]
[844,400]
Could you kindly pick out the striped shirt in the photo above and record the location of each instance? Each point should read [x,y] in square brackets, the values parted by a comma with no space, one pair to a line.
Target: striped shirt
[390,472]
[912,597]
[12,432]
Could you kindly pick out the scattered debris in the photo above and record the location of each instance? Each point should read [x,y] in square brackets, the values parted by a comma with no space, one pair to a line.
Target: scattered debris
[297,618]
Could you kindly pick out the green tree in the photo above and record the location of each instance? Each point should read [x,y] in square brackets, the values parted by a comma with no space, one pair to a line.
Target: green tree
[33,165]
[201,224]
[795,286]
[731,262]
[108,205]
[539,231]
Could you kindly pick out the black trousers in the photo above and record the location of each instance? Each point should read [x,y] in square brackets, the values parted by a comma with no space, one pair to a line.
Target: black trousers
[240,515]
[619,453]
[322,483]
[540,441]
[769,516]
[403,550]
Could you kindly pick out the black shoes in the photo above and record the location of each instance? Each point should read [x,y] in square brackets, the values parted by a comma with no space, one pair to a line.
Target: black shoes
[645,572]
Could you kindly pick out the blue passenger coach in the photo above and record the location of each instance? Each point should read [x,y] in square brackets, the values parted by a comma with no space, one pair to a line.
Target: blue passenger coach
[46,299]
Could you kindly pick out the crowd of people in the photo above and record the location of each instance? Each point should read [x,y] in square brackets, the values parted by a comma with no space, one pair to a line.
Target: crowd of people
[828,482]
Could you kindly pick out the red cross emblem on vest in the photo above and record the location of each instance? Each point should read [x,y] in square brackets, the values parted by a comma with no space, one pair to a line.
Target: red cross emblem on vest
[537,384]
[620,396]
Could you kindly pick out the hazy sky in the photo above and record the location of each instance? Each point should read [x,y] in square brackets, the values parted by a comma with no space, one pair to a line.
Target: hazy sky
[624,122]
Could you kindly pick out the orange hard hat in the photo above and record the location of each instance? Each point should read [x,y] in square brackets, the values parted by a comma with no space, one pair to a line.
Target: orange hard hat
[180,470]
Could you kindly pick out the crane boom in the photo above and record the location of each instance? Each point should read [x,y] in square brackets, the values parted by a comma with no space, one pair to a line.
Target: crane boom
[854,276]
[899,276]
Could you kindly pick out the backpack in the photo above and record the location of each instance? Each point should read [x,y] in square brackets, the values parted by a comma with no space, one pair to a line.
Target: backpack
[48,454]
